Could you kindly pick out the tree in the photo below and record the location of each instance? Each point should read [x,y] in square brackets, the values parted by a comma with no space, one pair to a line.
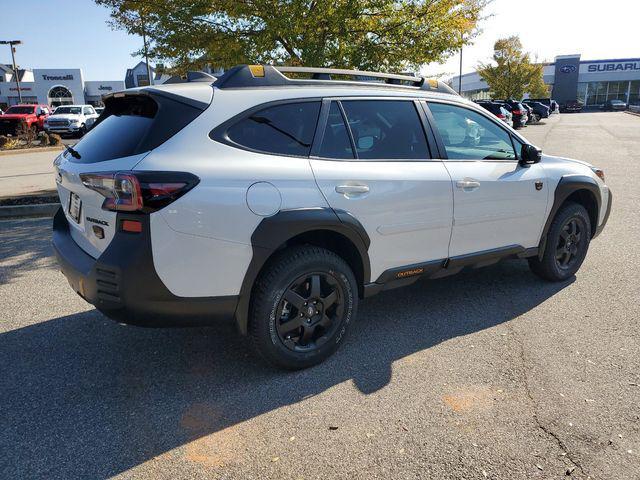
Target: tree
[513,74]
[387,35]
[537,88]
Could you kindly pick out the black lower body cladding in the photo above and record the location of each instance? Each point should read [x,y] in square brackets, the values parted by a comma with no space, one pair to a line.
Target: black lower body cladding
[123,284]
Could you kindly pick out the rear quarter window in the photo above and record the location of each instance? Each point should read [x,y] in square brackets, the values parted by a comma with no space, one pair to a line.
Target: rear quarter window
[284,129]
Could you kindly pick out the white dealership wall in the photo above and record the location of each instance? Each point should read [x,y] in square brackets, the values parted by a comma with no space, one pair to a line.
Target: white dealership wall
[47,78]
[93,90]
[69,78]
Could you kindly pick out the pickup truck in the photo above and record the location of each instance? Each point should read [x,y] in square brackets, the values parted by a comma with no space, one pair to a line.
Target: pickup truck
[71,119]
[33,116]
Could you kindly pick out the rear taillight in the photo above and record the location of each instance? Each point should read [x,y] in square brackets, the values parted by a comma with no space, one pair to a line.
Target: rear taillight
[517,112]
[501,116]
[141,191]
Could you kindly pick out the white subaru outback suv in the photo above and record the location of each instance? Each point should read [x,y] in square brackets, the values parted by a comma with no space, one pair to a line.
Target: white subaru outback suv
[280,196]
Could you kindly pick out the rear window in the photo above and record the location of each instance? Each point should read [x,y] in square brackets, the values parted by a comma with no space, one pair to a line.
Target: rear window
[131,125]
[285,129]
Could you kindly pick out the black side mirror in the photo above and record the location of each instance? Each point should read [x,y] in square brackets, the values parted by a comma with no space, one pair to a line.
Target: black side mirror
[530,155]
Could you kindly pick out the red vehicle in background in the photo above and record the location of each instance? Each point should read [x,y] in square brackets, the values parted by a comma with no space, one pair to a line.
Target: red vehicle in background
[31,115]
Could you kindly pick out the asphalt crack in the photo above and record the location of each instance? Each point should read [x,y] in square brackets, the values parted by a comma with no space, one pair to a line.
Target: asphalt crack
[534,407]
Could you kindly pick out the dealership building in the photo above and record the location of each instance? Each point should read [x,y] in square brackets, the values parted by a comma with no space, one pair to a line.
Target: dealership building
[591,82]
[60,86]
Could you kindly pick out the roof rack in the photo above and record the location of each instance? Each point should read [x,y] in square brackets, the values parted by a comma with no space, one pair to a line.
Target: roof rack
[248,76]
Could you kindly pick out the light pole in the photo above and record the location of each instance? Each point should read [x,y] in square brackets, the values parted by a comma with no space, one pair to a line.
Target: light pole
[146,49]
[460,74]
[11,44]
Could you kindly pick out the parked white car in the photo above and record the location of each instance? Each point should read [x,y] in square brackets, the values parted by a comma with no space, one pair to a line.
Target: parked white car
[281,202]
[71,119]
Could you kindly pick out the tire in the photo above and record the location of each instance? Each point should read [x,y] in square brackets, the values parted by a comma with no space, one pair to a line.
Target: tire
[286,328]
[82,131]
[566,246]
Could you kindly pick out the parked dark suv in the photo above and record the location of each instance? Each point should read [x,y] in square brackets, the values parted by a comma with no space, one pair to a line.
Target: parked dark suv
[520,115]
[498,110]
[540,110]
[548,102]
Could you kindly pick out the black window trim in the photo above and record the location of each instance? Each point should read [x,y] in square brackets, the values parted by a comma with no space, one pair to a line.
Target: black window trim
[220,133]
[478,110]
[324,116]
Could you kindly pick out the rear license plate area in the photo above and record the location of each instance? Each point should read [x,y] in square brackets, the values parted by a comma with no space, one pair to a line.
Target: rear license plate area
[75,207]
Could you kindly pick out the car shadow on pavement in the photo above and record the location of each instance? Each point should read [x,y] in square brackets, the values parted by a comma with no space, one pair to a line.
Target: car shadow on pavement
[84,397]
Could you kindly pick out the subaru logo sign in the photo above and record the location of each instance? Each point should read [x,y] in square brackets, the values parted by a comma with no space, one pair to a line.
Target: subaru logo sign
[568,68]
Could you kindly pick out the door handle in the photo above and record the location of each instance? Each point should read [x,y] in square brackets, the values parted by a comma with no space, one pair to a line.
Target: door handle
[352,190]
[468,184]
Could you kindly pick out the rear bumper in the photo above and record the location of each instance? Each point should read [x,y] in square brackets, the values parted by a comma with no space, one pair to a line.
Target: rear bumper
[123,284]
[520,121]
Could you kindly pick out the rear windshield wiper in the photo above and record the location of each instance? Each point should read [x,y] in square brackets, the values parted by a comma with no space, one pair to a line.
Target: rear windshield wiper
[269,123]
[74,153]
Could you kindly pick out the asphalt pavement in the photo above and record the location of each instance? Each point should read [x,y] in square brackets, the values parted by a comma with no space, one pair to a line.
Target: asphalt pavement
[493,373]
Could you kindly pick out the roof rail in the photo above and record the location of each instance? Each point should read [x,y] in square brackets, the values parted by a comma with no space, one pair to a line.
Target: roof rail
[248,76]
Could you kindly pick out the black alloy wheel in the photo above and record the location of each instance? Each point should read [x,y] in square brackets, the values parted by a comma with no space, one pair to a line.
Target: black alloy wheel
[310,311]
[302,306]
[566,244]
[569,243]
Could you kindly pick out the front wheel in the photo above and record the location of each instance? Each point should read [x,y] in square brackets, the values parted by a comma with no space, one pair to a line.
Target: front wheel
[566,246]
[303,305]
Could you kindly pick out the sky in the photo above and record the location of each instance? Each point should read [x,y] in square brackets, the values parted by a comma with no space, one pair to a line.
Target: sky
[74,34]
[595,29]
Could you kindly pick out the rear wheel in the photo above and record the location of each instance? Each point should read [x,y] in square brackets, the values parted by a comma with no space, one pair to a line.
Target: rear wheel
[302,307]
[567,244]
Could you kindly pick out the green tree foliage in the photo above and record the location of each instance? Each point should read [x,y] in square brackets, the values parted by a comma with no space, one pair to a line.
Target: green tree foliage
[387,35]
[513,73]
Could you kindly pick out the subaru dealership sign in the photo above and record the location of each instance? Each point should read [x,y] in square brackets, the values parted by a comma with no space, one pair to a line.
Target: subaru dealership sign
[613,67]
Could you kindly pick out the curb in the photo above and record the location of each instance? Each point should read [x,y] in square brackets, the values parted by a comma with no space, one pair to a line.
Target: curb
[19,151]
[17,211]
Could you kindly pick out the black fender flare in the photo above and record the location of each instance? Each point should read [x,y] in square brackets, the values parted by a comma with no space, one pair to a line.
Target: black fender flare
[568,185]
[273,232]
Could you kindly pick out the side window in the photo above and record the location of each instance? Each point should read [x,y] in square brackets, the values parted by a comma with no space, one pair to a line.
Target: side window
[386,129]
[87,111]
[285,129]
[336,142]
[468,135]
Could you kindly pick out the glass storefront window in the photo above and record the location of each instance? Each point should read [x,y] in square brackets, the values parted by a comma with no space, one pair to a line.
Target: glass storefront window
[582,93]
[618,91]
[599,92]
[634,93]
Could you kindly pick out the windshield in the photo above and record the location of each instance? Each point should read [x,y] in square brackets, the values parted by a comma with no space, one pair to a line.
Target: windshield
[20,110]
[72,110]
[617,101]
